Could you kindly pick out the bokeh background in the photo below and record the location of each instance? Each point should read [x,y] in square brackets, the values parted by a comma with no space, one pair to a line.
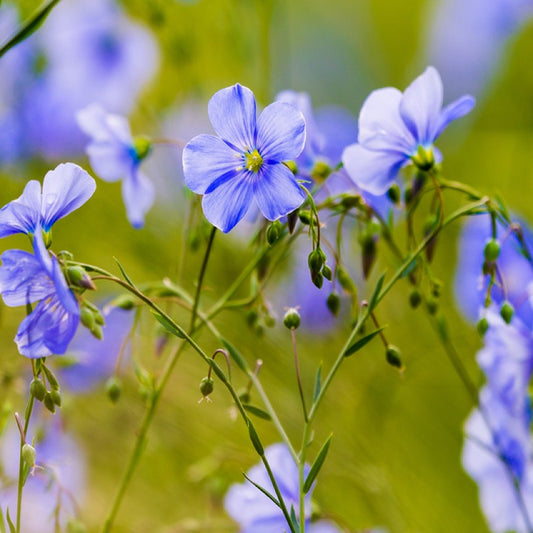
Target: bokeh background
[395,456]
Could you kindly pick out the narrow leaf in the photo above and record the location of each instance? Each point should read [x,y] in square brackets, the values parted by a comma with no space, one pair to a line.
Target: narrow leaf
[377,289]
[317,465]
[256,411]
[294,519]
[254,437]
[357,345]
[123,272]
[264,491]
[12,528]
[168,325]
[2,522]
[318,382]
[235,355]
[31,25]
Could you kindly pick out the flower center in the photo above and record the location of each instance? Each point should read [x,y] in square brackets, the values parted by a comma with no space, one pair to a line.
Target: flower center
[253,161]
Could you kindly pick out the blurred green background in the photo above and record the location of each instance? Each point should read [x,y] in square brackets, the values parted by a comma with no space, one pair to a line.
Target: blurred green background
[395,456]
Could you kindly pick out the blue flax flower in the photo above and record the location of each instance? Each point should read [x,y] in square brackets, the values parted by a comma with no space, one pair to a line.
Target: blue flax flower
[254,512]
[64,189]
[115,155]
[244,165]
[27,279]
[398,128]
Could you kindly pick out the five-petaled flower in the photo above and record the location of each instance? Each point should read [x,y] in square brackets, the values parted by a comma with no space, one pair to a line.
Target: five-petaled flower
[398,128]
[115,155]
[244,165]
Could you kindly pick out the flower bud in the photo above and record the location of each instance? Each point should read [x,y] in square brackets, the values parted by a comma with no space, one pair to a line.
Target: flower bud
[113,389]
[49,402]
[87,317]
[56,397]
[393,356]
[482,326]
[315,260]
[334,303]
[507,312]
[79,278]
[28,454]
[492,250]
[305,216]
[97,332]
[394,194]
[318,280]
[415,298]
[37,389]
[326,272]
[206,386]
[291,320]
[350,200]
[274,232]
[98,318]
[369,249]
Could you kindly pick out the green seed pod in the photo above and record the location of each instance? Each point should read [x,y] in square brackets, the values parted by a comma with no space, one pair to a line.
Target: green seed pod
[492,250]
[37,389]
[305,216]
[415,298]
[97,332]
[206,386]
[87,317]
[326,272]
[318,280]
[291,320]
[79,278]
[394,356]
[315,260]
[56,397]
[482,326]
[507,312]
[113,389]
[274,232]
[350,200]
[334,303]
[394,194]
[49,402]
[28,454]
[98,318]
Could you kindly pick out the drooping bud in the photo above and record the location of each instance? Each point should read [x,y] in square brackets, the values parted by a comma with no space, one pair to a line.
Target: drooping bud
[305,216]
[49,403]
[274,232]
[318,280]
[291,320]
[97,332]
[207,386]
[87,317]
[507,312]
[394,194]
[492,250]
[334,303]
[78,277]
[37,389]
[28,454]
[482,326]
[369,252]
[415,298]
[113,389]
[315,260]
[326,272]
[56,397]
[394,356]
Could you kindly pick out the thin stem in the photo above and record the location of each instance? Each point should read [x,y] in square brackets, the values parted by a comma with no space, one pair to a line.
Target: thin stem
[297,368]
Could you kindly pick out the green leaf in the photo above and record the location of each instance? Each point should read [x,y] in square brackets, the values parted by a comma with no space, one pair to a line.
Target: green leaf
[318,382]
[357,345]
[264,491]
[254,437]
[31,25]
[2,522]
[169,326]
[377,289]
[317,465]
[12,528]
[123,272]
[256,411]
[235,355]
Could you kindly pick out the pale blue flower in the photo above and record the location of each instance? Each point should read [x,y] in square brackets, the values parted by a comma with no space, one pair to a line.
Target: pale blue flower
[244,165]
[114,156]
[395,127]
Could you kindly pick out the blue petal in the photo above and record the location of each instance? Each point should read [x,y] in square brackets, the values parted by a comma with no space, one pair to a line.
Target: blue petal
[373,172]
[138,193]
[339,129]
[457,109]
[111,161]
[280,132]
[205,159]
[421,105]
[65,188]
[103,126]
[232,114]
[226,204]
[23,279]
[276,191]
[23,214]
[380,125]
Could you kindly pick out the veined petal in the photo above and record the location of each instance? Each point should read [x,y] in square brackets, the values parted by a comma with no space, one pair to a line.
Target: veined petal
[276,191]
[23,214]
[65,188]
[206,158]
[138,193]
[225,204]
[280,132]
[457,109]
[421,105]
[373,172]
[23,279]
[110,161]
[380,125]
[232,114]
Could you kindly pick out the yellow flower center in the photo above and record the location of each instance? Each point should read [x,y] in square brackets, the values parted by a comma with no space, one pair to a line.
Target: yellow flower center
[253,161]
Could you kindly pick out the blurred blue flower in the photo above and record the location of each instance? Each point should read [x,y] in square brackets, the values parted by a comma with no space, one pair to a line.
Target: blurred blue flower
[27,279]
[56,487]
[254,512]
[396,128]
[466,39]
[64,189]
[517,273]
[114,156]
[244,165]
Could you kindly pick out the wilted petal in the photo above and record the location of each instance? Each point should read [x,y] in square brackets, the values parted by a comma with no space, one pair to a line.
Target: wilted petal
[228,199]
[457,109]
[232,114]
[23,214]
[23,279]
[276,191]
[280,132]
[421,104]
[373,172]
[380,125]
[138,193]
[205,159]
[65,188]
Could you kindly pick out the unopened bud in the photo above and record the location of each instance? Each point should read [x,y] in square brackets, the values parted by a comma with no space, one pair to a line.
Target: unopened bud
[482,326]
[28,454]
[507,312]
[113,389]
[56,397]
[394,194]
[415,298]
[369,250]
[87,317]
[291,320]
[79,278]
[326,272]
[305,216]
[316,260]
[492,250]
[49,402]
[37,389]
[350,200]
[206,386]
[274,232]
[334,303]
[317,279]
[394,356]
[97,332]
